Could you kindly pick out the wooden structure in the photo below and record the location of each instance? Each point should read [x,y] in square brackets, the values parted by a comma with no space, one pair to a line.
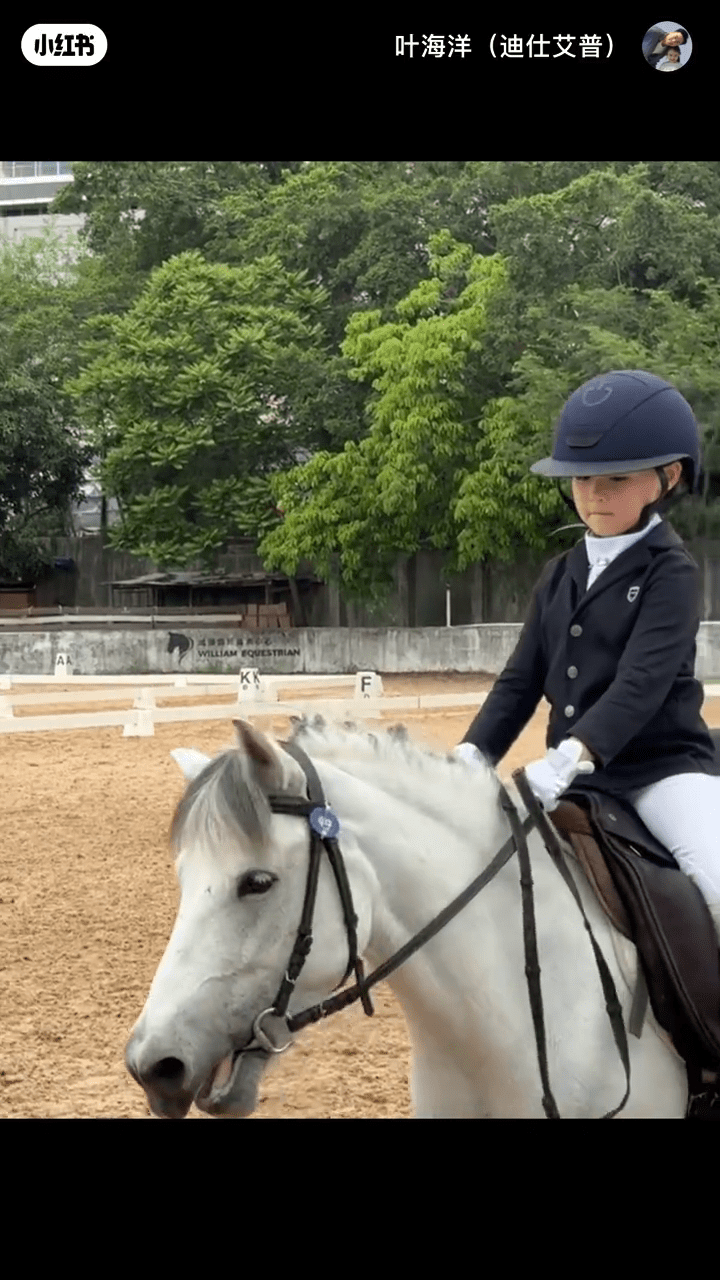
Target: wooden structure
[258,600]
[17,595]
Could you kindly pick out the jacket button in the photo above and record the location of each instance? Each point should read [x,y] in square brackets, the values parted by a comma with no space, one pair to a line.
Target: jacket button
[569,711]
[572,672]
[576,629]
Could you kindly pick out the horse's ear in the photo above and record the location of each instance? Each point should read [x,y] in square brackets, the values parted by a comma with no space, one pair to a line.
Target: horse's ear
[191,762]
[276,769]
[254,743]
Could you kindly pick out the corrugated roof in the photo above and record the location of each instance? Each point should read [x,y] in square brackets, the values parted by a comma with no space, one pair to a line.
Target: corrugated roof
[198,579]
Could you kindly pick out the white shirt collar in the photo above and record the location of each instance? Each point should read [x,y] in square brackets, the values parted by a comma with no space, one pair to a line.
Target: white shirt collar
[601,551]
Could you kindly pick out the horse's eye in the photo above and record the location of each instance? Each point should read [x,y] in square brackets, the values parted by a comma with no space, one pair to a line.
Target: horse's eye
[255,882]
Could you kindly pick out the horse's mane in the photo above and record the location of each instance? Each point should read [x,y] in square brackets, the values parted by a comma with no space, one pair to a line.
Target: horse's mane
[396,763]
[226,801]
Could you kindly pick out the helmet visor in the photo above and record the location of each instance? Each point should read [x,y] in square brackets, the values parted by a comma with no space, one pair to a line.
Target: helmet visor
[556,470]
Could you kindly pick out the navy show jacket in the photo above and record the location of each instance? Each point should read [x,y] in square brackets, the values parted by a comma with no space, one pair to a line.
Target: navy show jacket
[615,662]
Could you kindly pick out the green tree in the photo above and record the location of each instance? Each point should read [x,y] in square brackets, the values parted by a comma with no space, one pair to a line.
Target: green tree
[42,450]
[41,468]
[610,230]
[570,297]
[500,504]
[200,392]
[393,491]
[418,440]
[139,213]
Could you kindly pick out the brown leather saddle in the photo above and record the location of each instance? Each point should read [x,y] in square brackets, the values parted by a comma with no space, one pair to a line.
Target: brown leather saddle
[654,904]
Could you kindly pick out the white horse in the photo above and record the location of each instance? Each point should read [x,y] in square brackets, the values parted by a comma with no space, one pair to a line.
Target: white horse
[415,830]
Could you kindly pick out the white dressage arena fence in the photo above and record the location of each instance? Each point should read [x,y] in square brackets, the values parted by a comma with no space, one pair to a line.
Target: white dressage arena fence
[254,695]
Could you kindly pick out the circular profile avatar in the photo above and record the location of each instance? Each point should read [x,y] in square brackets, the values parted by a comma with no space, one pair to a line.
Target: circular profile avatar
[666,46]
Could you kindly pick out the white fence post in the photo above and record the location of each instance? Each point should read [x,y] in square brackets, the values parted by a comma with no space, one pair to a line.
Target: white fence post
[144,698]
[140,724]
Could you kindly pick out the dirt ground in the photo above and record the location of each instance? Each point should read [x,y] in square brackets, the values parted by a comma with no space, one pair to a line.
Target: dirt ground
[88,898]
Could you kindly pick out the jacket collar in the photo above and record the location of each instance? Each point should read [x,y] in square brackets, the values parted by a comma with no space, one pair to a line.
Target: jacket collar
[637,556]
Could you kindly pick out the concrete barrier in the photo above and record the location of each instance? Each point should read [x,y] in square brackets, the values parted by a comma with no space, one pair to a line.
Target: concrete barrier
[481,648]
[327,650]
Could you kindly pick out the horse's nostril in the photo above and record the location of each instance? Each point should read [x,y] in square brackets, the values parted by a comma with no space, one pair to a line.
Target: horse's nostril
[171,1069]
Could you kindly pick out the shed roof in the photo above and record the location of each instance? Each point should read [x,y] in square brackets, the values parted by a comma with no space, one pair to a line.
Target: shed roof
[199,579]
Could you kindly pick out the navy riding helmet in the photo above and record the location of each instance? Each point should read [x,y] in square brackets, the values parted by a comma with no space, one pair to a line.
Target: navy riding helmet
[624,421]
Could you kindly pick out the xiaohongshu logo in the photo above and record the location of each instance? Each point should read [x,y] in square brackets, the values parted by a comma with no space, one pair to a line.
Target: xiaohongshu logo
[64,44]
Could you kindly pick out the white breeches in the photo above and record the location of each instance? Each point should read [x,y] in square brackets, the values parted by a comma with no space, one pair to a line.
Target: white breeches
[683,813]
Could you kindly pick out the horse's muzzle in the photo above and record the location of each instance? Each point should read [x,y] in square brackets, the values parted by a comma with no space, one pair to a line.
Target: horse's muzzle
[164,1079]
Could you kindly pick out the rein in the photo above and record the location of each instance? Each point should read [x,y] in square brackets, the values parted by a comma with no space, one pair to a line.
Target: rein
[323,832]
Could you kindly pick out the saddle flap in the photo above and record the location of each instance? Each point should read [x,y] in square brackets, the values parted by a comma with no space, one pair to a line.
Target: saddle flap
[574,825]
[663,913]
[616,816]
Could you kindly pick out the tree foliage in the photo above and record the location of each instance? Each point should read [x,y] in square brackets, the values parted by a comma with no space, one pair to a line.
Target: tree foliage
[394,490]
[42,452]
[380,348]
[587,278]
[139,213]
[198,394]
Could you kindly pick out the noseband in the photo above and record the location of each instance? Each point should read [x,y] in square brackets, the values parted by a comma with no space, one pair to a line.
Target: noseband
[324,827]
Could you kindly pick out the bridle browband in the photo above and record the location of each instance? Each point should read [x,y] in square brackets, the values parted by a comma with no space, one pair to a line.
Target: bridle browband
[324,826]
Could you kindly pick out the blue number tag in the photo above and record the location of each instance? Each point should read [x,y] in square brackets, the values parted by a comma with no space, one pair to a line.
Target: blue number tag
[324,822]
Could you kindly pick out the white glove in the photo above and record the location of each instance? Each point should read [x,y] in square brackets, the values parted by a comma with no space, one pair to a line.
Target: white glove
[468,751]
[548,778]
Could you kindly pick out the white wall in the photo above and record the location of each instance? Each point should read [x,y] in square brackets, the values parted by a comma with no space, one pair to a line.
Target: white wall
[19,228]
[116,650]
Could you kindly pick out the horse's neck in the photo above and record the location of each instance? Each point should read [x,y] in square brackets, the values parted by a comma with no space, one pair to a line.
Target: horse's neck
[464,993]
[423,847]
[420,858]
[447,794]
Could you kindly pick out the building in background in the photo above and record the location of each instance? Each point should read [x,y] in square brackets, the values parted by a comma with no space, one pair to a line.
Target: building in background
[27,189]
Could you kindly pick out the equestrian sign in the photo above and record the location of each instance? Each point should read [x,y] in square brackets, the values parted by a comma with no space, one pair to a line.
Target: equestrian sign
[368,685]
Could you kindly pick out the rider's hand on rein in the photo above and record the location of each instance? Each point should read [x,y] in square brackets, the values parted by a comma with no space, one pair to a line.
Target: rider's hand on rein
[552,775]
[469,752]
